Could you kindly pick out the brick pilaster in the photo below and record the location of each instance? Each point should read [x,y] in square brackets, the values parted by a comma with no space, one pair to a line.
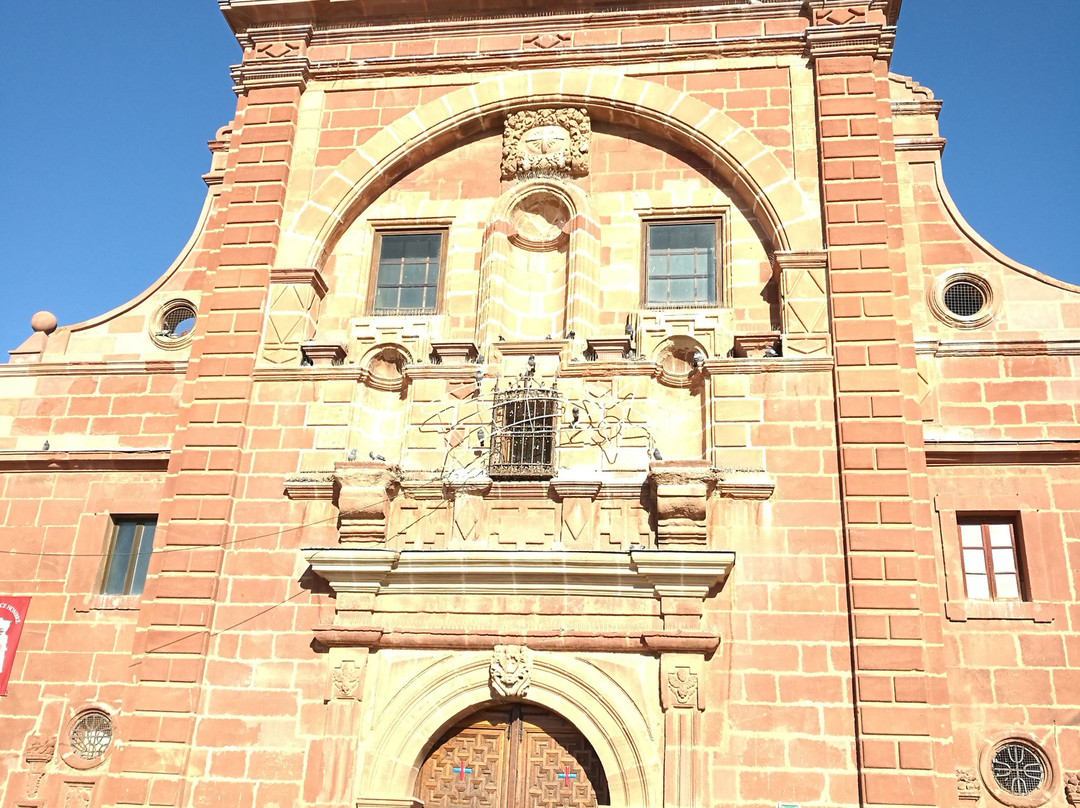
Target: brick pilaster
[898,657]
[177,616]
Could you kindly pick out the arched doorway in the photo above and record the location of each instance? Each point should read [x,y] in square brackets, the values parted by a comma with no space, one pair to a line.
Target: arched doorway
[515,756]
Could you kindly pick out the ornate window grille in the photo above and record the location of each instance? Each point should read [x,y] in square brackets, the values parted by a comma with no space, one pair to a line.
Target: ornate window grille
[523,432]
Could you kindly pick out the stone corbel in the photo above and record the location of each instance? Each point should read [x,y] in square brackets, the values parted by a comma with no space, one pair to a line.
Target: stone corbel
[363,493]
[804,303]
[681,489]
[325,354]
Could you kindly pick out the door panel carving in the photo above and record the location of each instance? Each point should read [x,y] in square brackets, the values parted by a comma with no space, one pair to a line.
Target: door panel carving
[516,758]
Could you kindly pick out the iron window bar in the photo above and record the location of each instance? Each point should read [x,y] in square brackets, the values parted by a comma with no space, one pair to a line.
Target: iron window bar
[523,430]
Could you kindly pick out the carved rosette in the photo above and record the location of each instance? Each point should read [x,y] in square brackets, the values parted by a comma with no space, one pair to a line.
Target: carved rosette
[511,670]
[967,785]
[362,493]
[1072,788]
[546,141]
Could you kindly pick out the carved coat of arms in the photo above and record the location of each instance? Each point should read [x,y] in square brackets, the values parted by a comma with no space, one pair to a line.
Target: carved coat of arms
[511,670]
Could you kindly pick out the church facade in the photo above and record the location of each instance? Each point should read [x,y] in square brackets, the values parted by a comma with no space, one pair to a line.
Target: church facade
[555,405]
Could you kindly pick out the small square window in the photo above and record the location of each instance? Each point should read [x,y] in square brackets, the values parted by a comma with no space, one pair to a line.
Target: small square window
[405,279]
[989,558]
[129,555]
[680,264]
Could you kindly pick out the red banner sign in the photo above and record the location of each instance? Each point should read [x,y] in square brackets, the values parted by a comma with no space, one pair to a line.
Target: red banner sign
[12,614]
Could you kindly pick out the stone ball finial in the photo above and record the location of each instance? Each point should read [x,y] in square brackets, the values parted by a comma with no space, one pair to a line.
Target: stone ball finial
[43,321]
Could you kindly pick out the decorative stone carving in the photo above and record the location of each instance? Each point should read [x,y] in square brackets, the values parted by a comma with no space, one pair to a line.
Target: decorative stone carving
[1072,788]
[78,795]
[363,492]
[967,784]
[511,670]
[540,221]
[682,686]
[347,678]
[547,41]
[546,141]
[845,15]
[40,749]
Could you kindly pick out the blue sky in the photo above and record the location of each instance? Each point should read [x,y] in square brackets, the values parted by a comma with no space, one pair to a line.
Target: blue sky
[108,106]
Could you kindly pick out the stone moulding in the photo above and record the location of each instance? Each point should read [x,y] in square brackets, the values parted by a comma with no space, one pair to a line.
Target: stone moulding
[649,642]
[310,486]
[635,574]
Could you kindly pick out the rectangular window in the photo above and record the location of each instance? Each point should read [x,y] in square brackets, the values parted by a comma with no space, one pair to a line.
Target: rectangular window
[129,555]
[989,558]
[407,272]
[680,264]
[523,433]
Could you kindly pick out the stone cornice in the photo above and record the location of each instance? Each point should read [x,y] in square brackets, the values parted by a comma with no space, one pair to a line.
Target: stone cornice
[656,642]
[867,39]
[336,18]
[635,574]
[152,367]
[917,144]
[975,452]
[563,57]
[87,460]
[901,108]
[1032,347]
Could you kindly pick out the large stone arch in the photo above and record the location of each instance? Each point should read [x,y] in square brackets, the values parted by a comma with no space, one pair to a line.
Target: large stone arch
[784,211]
[627,742]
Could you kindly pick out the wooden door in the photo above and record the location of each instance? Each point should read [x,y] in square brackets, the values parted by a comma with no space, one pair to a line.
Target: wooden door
[518,757]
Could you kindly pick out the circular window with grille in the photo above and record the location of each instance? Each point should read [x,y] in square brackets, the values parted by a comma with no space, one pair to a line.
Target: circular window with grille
[1017,771]
[174,324]
[90,736]
[963,300]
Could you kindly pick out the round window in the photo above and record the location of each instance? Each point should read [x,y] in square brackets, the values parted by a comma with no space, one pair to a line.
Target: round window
[91,735]
[174,324]
[1018,768]
[962,299]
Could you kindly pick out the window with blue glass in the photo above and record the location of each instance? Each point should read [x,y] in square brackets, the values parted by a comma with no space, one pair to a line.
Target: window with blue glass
[407,272]
[680,264]
[129,555]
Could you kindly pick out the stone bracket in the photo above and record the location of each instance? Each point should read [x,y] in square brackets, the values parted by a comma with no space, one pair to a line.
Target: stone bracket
[682,489]
[363,493]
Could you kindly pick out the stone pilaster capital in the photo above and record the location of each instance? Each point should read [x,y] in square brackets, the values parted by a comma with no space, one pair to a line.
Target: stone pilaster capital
[804,259]
[292,71]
